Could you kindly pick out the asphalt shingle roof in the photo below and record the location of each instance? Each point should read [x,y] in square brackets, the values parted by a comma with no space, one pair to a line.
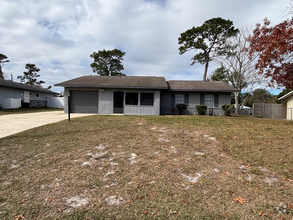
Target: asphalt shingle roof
[144,82]
[11,84]
[147,82]
[200,86]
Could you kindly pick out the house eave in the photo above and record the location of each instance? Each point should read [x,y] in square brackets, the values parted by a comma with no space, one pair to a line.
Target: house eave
[286,96]
[109,87]
[30,89]
[210,91]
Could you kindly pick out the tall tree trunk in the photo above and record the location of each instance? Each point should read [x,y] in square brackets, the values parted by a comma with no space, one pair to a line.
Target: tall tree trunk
[206,70]
[1,74]
[243,101]
[236,103]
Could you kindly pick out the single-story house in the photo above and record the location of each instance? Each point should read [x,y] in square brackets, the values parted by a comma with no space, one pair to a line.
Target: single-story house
[28,95]
[289,98]
[142,95]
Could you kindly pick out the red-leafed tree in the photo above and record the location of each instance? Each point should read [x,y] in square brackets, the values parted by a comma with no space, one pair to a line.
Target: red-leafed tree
[275,47]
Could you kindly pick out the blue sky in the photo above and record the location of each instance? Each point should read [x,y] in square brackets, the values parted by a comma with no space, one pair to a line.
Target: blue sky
[59,35]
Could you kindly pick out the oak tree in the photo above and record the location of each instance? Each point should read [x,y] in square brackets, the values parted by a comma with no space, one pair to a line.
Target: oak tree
[108,62]
[209,39]
[31,75]
[275,48]
[238,66]
[3,59]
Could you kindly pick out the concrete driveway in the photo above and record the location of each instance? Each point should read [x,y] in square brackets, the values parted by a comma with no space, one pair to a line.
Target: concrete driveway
[15,123]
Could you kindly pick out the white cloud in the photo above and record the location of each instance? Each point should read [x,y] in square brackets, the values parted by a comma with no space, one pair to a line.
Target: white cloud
[59,35]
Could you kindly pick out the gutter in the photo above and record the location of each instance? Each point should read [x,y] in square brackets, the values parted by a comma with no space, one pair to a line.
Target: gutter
[110,87]
[286,96]
[182,90]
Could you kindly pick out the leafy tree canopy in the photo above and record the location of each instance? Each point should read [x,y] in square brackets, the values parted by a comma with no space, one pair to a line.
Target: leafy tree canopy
[234,78]
[209,38]
[260,96]
[220,74]
[31,75]
[274,43]
[3,59]
[108,62]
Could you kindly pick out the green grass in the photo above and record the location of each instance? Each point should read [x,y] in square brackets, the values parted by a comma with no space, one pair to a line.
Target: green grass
[147,165]
[26,110]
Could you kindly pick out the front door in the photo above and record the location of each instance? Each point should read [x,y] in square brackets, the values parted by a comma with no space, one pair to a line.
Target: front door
[118,102]
[26,97]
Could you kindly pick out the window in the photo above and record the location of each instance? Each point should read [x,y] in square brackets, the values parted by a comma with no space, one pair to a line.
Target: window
[179,99]
[209,100]
[216,100]
[37,95]
[146,98]
[131,98]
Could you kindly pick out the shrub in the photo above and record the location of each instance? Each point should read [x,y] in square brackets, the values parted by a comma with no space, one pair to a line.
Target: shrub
[181,108]
[211,111]
[201,109]
[173,109]
[227,109]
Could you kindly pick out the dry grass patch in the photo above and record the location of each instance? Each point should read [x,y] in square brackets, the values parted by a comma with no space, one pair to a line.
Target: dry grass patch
[113,167]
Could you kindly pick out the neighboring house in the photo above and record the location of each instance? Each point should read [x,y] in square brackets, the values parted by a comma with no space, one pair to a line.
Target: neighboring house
[289,98]
[30,96]
[141,95]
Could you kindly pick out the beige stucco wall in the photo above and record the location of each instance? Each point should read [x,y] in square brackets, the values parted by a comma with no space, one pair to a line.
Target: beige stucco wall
[290,108]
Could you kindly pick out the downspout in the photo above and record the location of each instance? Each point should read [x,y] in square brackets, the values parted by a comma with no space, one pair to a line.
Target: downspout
[68,104]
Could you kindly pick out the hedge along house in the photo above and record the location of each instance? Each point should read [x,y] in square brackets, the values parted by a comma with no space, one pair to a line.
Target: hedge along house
[29,96]
[213,94]
[129,95]
[141,95]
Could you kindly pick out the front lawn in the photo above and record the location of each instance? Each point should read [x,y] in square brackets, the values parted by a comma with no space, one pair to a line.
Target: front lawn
[166,167]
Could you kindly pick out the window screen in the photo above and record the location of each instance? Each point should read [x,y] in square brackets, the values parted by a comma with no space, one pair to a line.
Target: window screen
[179,99]
[146,98]
[216,102]
[131,98]
[209,100]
